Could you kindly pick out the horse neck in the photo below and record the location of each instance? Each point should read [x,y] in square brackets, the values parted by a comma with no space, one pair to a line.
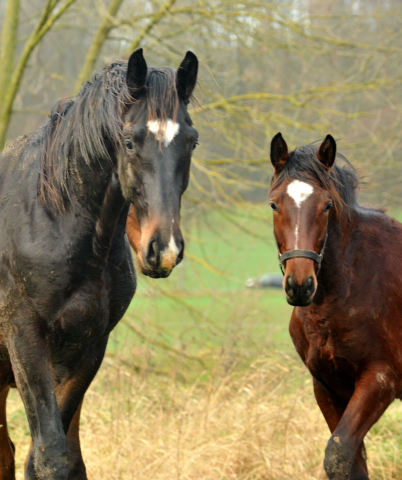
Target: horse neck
[98,191]
[95,198]
[112,216]
[334,273]
[90,184]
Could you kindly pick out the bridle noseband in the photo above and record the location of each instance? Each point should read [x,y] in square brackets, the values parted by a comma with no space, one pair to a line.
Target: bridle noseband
[317,257]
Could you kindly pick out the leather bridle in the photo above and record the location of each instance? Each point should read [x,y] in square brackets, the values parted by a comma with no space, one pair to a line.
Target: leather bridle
[317,257]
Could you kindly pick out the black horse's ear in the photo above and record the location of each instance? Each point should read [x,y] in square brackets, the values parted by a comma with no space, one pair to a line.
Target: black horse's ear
[186,78]
[279,152]
[327,152]
[136,73]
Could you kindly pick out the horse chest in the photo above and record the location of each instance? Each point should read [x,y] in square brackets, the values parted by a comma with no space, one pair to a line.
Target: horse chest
[85,314]
[93,310]
[327,353]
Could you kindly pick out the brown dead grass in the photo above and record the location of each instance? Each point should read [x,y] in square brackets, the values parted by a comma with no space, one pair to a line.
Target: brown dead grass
[261,424]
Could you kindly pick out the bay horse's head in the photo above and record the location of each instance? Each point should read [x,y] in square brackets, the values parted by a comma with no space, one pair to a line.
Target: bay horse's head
[154,158]
[301,206]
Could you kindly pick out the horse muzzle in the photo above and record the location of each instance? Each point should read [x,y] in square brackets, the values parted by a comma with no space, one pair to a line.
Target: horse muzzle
[300,294]
[160,257]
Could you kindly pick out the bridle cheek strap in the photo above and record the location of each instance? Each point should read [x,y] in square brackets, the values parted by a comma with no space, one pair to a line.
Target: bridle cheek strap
[317,257]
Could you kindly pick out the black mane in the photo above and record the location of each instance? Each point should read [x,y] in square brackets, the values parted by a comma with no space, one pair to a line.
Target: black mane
[341,182]
[89,128]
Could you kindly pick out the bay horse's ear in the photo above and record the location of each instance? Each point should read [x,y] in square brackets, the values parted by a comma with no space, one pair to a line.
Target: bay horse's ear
[136,73]
[327,152]
[186,78]
[279,152]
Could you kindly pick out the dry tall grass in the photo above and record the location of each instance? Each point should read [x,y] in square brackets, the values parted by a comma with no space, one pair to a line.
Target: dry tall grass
[261,424]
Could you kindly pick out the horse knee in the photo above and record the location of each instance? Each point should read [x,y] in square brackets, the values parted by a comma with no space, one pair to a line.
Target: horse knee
[49,462]
[338,459]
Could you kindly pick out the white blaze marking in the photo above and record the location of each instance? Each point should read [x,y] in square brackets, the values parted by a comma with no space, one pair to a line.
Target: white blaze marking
[171,251]
[172,246]
[165,131]
[299,191]
[297,229]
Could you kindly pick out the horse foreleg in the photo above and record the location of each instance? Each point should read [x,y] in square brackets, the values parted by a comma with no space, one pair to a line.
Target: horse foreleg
[30,359]
[31,365]
[333,407]
[70,394]
[7,466]
[77,466]
[368,402]
[77,469]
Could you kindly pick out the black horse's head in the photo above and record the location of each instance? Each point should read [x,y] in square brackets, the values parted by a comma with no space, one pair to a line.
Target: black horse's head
[154,157]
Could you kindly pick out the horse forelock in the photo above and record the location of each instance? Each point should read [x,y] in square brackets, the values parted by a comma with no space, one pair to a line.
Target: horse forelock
[341,182]
[158,108]
[161,94]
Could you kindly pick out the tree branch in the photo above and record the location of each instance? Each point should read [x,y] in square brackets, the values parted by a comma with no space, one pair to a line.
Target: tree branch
[8,44]
[155,18]
[97,43]
[44,24]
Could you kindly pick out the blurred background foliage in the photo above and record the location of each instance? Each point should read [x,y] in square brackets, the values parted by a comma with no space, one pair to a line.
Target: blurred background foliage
[302,67]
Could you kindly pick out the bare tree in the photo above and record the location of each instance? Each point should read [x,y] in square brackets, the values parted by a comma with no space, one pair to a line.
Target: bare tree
[10,75]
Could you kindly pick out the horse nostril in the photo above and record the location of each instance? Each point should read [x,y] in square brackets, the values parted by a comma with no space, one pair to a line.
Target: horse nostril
[308,282]
[153,253]
[289,285]
[308,287]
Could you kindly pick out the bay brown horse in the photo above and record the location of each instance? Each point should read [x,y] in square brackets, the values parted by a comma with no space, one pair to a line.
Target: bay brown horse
[134,236]
[342,272]
[66,269]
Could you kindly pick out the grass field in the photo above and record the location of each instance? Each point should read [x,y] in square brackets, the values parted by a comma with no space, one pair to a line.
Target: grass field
[201,380]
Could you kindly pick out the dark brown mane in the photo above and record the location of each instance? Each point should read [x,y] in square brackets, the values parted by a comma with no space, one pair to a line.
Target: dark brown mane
[88,129]
[341,182]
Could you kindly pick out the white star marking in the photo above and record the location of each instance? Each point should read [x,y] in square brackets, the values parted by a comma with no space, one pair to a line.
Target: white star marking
[164,131]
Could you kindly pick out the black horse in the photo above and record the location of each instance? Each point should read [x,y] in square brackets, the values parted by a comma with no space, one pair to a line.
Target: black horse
[66,271]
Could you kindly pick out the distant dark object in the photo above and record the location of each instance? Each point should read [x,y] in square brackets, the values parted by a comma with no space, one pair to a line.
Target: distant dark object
[273,280]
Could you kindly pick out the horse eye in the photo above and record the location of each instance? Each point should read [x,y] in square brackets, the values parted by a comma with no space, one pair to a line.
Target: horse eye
[128,145]
[328,206]
[195,144]
[274,206]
